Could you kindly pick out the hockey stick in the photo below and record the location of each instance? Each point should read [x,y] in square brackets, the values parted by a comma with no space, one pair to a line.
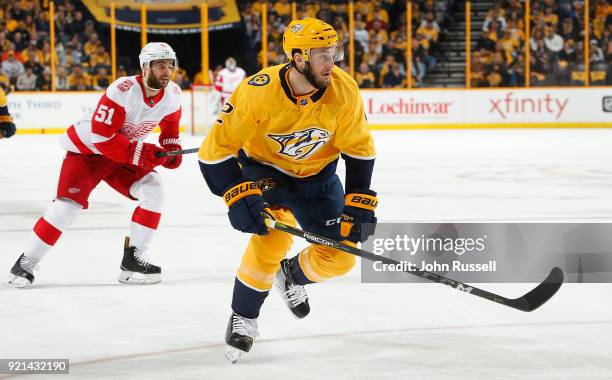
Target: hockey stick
[177,152]
[528,302]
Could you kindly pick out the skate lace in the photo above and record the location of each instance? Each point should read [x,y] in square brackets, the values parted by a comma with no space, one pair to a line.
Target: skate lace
[244,326]
[142,257]
[296,294]
[28,264]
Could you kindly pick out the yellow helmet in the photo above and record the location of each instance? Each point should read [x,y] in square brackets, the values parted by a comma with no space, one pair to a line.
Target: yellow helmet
[307,34]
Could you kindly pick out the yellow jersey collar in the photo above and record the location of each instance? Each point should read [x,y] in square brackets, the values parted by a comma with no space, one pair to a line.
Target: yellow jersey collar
[302,100]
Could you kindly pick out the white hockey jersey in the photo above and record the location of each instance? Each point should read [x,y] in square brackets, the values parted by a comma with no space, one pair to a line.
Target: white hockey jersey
[125,114]
[227,81]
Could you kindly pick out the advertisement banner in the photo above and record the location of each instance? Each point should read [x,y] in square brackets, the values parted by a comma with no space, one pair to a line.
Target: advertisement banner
[39,112]
[546,107]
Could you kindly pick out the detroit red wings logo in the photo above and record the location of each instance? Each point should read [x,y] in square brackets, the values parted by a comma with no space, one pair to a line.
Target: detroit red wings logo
[134,131]
[125,85]
[301,144]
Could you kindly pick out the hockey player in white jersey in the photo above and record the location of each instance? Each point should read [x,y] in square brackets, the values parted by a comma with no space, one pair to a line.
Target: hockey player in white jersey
[108,146]
[228,79]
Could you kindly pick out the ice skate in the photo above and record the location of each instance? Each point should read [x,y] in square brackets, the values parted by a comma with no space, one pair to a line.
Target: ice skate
[239,336]
[21,273]
[136,268]
[293,294]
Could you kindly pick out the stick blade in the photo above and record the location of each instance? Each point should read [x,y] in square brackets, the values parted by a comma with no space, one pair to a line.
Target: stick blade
[539,295]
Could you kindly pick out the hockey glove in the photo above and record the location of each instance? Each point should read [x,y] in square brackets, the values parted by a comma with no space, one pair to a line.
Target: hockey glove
[145,155]
[7,129]
[172,145]
[358,220]
[246,204]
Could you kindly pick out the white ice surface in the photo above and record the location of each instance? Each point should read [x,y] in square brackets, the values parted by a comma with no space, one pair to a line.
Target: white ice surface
[175,330]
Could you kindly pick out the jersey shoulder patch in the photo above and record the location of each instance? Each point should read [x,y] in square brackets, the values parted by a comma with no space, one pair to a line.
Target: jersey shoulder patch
[259,80]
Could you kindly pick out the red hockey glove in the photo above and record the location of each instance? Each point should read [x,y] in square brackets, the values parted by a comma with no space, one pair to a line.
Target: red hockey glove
[172,145]
[145,155]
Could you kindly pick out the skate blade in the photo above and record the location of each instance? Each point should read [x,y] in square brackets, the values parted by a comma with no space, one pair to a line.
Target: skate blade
[135,278]
[233,354]
[18,281]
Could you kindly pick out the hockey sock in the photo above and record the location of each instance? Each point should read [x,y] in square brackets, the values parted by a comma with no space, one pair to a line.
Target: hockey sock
[247,301]
[298,274]
[48,229]
[144,224]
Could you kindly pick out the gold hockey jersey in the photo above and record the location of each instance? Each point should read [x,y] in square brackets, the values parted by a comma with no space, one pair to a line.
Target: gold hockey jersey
[298,135]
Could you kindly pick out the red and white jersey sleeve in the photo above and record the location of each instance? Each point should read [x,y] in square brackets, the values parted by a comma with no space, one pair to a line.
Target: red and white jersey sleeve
[227,81]
[124,114]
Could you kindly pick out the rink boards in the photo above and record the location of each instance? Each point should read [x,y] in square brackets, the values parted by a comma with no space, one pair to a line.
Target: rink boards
[48,112]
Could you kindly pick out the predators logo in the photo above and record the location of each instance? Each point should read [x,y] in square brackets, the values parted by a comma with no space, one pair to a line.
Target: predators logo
[301,144]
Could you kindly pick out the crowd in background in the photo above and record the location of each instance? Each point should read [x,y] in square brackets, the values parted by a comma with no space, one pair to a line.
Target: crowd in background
[380,35]
[82,61]
[556,42]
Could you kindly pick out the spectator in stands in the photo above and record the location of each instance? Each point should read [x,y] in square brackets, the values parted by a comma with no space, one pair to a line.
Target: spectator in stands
[32,53]
[419,59]
[20,43]
[43,81]
[394,78]
[516,71]
[567,56]
[77,25]
[27,80]
[182,80]
[542,64]
[552,40]
[61,79]
[100,58]
[378,15]
[429,19]
[378,33]
[597,54]
[12,67]
[41,23]
[495,15]
[91,46]
[364,77]
[325,12]
[494,78]
[568,30]
[79,80]
[550,18]
[101,80]
[283,8]
[516,18]
[429,31]
[361,34]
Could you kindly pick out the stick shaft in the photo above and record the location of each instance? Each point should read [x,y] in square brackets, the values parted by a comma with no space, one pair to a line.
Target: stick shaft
[178,152]
[528,302]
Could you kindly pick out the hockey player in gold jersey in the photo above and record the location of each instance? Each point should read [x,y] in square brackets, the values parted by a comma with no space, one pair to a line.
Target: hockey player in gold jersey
[7,127]
[275,146]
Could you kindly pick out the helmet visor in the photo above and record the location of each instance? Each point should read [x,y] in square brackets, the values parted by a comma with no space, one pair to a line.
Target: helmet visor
[322,56]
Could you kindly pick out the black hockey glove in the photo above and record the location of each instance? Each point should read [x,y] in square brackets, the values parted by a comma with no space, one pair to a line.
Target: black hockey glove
[246,204]
[358,219]
[7,129]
